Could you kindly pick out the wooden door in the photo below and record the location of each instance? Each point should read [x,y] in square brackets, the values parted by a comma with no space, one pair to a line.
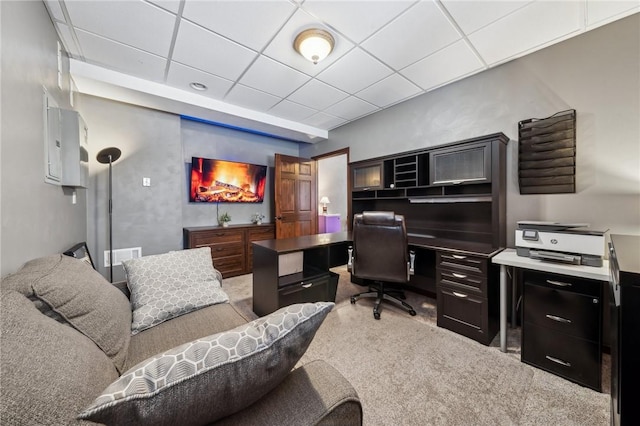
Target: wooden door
[295,203]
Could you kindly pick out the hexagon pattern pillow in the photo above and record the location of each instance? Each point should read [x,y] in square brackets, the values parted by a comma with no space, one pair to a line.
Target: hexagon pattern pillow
[168,285]
[213,377]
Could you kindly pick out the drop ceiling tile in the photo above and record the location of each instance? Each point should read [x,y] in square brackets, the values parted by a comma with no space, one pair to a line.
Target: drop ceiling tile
[356,19]
[291,111]
[251,23]
[417,33]
[530,27]
[354,71]
[318,95]
[444,66]
[472,15]
[202,49]
[251,98]
[270,76]
[598,10]
[389,91]
[281,47]
[119,57]
[180,76]
[324,121]
[137,24]
[170,5]
[351,108]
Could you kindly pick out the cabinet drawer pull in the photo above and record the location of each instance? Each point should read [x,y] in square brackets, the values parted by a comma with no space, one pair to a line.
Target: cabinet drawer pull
[557,318]
[458,275]
[460,295]
[459,257]
[558,361]
[306,285]
[559,283]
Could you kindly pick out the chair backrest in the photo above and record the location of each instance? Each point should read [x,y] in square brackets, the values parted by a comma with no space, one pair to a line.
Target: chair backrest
[380,249]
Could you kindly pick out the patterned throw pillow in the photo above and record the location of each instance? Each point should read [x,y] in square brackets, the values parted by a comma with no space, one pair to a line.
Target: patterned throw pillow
[204,380]
[168,285]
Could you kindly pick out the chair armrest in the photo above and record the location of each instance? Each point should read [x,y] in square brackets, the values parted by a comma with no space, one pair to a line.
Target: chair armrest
[313,394]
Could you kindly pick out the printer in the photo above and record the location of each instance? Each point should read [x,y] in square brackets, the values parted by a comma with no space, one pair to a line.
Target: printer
[560,242]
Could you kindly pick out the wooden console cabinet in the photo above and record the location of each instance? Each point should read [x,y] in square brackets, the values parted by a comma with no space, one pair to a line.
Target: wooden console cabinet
[231,247]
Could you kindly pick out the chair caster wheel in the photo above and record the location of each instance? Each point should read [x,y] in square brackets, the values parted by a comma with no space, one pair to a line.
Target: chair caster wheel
[376,315]
[353,300]
[412,313]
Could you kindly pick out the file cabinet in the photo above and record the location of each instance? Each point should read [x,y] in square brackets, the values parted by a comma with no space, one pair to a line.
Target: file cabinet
[562,332]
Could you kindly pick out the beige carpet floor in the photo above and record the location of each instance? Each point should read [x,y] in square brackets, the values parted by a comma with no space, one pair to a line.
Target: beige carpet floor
[408,371]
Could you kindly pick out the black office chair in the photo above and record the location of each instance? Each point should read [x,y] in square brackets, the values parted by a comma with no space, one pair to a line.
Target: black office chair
[380,255]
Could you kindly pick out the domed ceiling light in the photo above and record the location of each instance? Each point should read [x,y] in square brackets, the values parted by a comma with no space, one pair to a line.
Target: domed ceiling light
[314,44]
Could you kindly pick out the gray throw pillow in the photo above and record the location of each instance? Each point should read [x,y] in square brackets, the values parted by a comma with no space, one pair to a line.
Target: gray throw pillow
[71,291]
[210,378]
[168,285]
[49,371]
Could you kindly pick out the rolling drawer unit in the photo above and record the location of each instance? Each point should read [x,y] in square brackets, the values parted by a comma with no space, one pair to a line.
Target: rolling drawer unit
[231,250]
[466,303]
[562,332]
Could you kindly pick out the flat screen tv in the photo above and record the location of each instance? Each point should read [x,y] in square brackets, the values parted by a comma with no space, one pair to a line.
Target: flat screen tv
[214,181]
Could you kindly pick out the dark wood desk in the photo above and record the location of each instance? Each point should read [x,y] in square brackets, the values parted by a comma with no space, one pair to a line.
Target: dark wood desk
[458,273]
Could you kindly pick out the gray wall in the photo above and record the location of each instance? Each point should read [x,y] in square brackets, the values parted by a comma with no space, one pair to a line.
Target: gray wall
[596,73]
[204,140]
[159,146]
[37,218]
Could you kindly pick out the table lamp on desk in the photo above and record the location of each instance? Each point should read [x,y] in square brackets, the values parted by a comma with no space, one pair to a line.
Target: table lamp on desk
[324,201]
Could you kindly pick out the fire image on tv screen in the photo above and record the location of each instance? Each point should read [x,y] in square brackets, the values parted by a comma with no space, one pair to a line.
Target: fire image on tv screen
[215,181]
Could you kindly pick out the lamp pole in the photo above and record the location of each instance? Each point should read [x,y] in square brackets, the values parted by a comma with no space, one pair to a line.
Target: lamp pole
[109,156]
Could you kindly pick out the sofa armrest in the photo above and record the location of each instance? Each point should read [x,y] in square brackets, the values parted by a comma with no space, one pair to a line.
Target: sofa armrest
[314,394]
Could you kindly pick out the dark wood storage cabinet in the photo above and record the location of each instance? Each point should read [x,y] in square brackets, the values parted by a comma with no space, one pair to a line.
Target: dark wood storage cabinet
[466,303]
[231,249]
[453,200]
[562,332]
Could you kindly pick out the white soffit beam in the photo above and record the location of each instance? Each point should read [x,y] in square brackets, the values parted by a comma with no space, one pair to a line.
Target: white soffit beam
[97,81]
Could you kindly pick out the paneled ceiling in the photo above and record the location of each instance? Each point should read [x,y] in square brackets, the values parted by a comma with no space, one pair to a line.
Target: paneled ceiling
[386,52]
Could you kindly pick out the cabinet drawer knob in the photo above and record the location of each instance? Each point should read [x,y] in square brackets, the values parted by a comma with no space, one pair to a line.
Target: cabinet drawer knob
[459,257]
[306,285]
[558,361]
[559,283]
[460,295]
[458,275]
[559,319]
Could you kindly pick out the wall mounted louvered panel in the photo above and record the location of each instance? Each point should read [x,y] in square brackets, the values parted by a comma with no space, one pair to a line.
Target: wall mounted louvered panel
[547,154]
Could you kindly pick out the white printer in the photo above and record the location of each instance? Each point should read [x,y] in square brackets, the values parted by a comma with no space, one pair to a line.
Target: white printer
[560,242]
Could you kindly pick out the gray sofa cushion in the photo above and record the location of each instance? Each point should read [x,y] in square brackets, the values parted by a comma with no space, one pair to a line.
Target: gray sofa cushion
[80,295]
[210,378]
[203,322]
[49,370]
[165,286]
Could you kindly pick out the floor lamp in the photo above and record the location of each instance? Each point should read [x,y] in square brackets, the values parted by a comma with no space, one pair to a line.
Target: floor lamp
[109,156]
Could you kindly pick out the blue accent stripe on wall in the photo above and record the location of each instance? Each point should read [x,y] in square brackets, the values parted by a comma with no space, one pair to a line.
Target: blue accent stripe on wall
[238,128]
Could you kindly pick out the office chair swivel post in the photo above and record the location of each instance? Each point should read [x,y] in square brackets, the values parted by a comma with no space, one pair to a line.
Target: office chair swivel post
[380,293]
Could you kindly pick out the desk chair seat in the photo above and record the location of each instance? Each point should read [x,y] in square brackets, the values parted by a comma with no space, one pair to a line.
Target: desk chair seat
[380,256]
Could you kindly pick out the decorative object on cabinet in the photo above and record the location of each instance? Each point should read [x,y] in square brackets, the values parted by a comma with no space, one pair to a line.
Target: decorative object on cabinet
[324,201]
[231,247]
[562,326]
[257,218]
[109,156]
[547,154]
[224,219]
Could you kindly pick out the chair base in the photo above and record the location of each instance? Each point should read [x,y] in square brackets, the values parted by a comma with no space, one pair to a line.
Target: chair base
[381,294]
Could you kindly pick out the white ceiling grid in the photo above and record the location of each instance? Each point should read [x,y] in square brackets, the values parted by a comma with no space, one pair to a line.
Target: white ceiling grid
[386,51]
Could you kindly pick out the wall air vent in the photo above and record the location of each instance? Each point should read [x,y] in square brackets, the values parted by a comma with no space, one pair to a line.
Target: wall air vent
[122,254]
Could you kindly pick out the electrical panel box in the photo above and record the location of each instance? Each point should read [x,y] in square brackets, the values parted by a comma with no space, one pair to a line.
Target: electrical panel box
[52,140]
[75,149]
